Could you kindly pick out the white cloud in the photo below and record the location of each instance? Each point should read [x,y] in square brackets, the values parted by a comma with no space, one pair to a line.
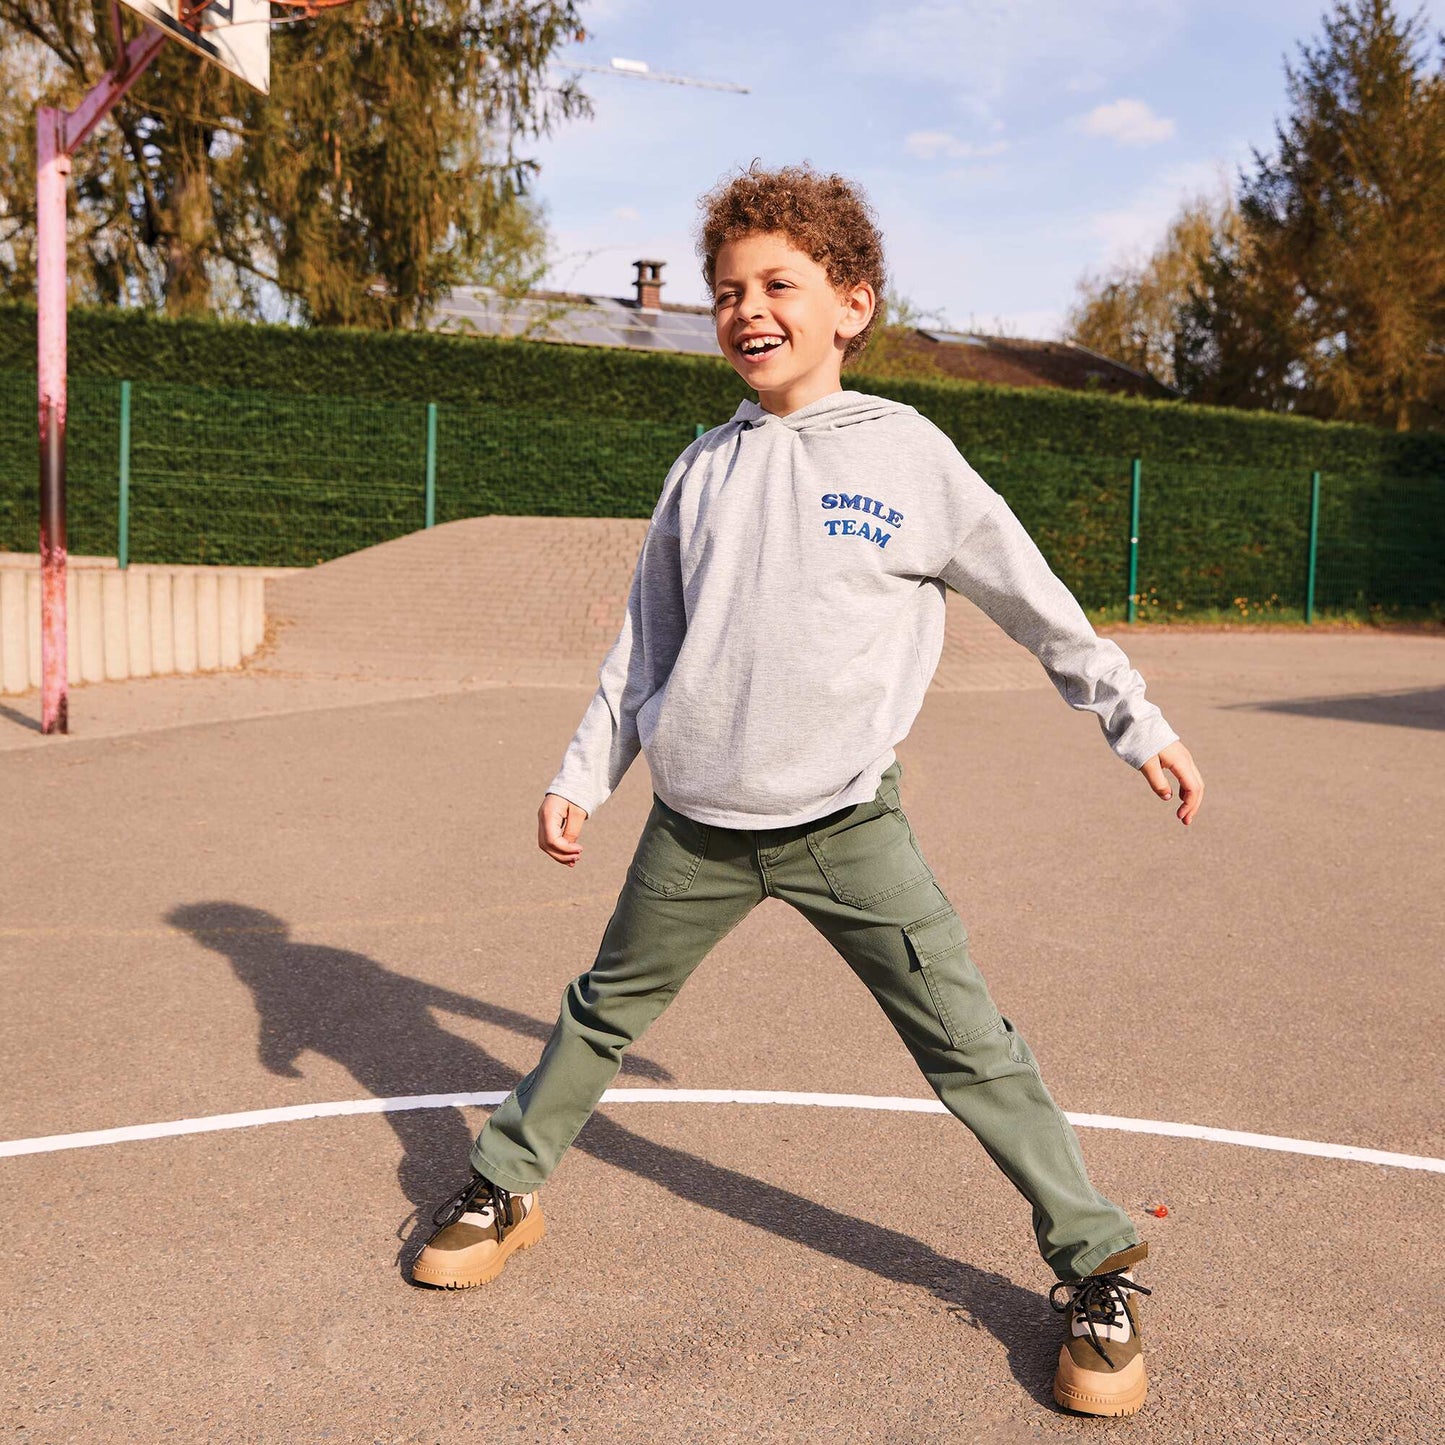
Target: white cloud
[1130,122]
[604,12]
[929,144]
[1130,232]
[1080,84]
[985,50]
[626,213]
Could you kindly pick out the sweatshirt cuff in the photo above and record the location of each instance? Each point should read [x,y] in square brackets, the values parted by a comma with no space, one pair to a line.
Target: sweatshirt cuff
[1142,740]
[582,797]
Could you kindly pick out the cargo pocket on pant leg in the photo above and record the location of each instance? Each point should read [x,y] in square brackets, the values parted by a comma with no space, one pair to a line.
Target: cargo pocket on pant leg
[670,851]
[939,948]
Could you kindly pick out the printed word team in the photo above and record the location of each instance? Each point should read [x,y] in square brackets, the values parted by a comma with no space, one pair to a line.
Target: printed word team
[848,527]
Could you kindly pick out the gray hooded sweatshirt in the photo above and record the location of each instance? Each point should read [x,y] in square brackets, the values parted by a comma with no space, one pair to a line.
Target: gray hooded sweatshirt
[786,617]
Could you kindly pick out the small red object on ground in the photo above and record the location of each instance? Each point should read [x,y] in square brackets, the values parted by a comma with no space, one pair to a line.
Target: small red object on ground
[1160,1211]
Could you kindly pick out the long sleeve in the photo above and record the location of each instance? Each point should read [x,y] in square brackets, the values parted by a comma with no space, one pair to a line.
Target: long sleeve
[1000,569]
[636,667]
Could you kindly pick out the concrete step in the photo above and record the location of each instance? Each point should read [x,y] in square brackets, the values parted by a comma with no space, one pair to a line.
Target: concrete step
[140,621]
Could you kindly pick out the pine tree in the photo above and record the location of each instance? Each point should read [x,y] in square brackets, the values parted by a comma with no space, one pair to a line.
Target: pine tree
[1332,303]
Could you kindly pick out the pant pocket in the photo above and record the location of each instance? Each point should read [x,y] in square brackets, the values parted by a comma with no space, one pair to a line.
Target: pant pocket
[938,945]
[869,856]
[670,851]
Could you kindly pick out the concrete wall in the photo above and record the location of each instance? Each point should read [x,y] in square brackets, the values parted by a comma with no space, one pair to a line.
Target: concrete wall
[141,622]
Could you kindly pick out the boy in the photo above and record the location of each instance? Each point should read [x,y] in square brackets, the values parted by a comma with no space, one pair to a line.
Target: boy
[785,619]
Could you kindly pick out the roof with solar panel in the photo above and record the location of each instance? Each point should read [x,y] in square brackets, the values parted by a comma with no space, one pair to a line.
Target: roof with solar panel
[640,323]
[644,322]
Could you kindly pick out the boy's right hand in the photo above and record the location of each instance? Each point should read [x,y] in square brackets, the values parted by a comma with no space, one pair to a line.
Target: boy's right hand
[559,821]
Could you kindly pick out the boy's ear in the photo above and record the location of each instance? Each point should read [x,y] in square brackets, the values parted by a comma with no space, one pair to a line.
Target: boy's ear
[857,305]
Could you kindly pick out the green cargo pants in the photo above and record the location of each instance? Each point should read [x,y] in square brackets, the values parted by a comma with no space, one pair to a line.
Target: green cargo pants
[858,876]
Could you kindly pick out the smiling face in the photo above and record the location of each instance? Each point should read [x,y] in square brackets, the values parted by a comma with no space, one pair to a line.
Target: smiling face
[780,321]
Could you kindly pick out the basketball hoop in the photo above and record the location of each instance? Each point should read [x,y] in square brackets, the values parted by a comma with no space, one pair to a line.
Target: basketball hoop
[190,10]
[189,13]
[306,9]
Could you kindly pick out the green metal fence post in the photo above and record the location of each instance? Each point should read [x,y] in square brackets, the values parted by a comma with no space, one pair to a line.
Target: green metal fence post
[698,431]
[1314,546]
[122,528]
[1134,469]
[431,464]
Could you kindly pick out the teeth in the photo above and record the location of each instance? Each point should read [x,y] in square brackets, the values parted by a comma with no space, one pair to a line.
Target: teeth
[760,343]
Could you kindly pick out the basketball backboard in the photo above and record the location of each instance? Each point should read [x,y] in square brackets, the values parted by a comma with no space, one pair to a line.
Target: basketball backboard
[234,34]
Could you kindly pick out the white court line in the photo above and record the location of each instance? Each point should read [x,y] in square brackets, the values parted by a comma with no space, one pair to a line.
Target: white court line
[172,1128]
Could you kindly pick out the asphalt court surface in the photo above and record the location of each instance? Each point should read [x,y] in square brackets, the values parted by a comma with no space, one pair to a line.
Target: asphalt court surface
[715,1272]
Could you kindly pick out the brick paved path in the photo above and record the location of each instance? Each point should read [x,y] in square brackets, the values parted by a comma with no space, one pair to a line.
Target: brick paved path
[527,600]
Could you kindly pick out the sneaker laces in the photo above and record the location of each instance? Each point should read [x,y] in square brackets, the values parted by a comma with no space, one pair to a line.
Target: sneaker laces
[498,1200]
[1097,1299]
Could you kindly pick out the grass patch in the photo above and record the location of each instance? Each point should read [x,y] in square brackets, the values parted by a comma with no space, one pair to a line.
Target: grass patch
[1269,613]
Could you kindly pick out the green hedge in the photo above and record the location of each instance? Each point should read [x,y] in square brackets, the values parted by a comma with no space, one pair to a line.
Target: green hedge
[251,477]
[92,442]
[597,381]
[270,445]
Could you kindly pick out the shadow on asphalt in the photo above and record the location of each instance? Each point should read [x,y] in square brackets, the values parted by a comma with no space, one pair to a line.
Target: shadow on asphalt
[15,716]
[1017,1318]
[1420,708]
[378,1026]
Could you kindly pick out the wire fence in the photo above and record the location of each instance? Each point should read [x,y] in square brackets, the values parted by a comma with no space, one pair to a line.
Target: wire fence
[163,473]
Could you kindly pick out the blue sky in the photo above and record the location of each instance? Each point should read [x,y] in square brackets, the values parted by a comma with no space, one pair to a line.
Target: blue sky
[1007,145]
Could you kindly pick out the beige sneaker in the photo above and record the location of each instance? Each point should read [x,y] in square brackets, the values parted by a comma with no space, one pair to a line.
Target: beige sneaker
[1101,1362]
[480,1227]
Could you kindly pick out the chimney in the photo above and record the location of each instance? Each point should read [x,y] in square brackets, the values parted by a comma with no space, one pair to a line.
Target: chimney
[649,285]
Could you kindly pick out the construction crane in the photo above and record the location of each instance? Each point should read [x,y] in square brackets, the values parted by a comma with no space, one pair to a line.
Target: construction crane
[640,70]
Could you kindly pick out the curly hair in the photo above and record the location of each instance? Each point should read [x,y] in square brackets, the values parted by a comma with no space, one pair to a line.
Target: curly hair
[825,216]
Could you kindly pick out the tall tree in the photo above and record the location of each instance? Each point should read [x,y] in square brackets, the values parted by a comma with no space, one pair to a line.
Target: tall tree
[384,166]
[17,168]
[1131,312]
[1332,303]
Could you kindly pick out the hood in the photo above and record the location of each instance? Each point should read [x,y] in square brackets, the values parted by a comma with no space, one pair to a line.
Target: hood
[837,409]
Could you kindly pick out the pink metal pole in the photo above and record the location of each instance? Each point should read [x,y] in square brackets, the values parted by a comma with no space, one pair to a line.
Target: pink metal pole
[112,85]
[54,171]
[57,134]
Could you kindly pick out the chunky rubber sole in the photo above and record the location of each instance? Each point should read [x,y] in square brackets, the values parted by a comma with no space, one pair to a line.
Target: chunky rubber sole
[1125,1397]
[452,1270]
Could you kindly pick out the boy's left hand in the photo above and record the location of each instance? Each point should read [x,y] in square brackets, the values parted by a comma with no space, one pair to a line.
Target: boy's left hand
[1191,786]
